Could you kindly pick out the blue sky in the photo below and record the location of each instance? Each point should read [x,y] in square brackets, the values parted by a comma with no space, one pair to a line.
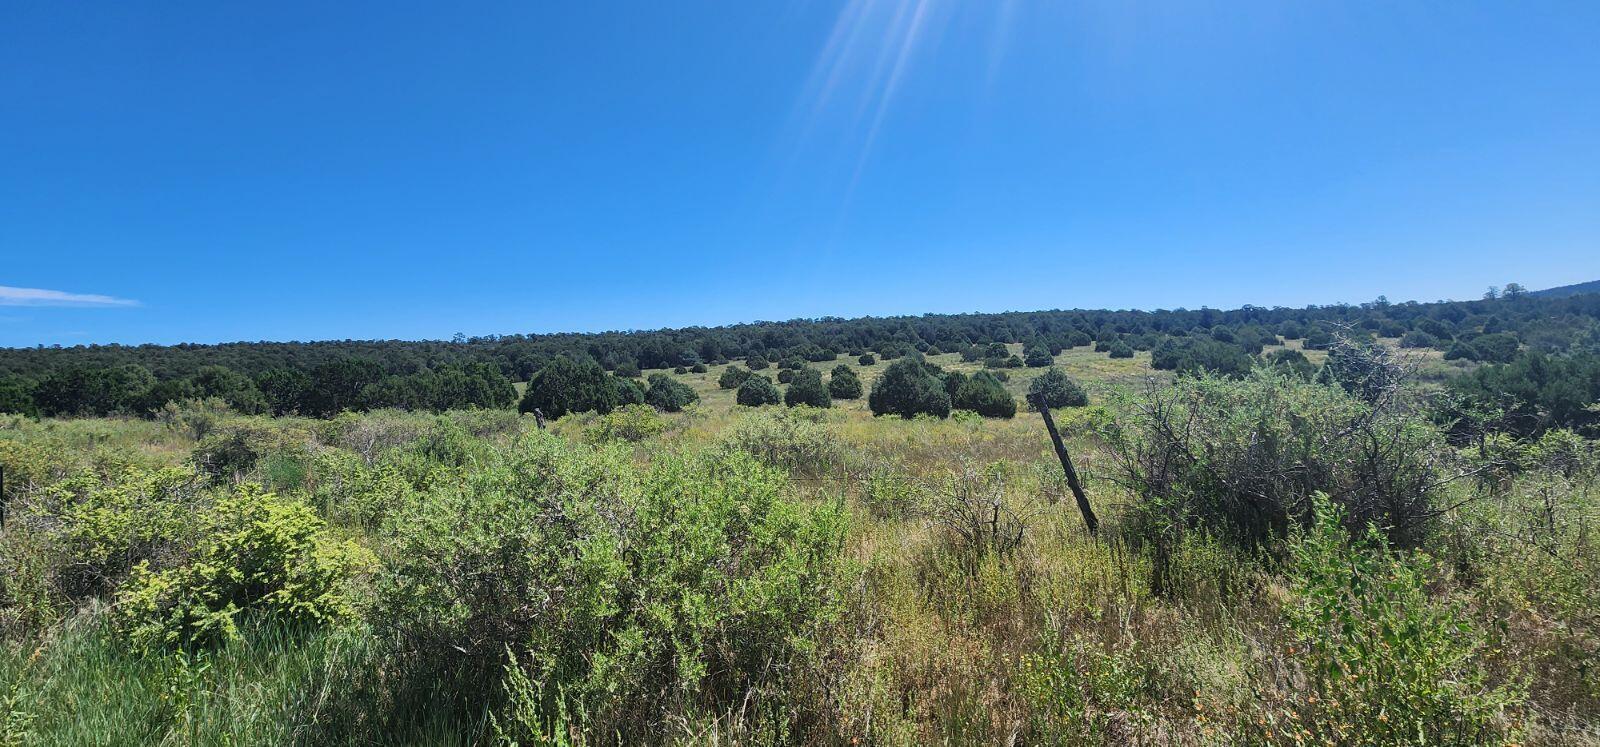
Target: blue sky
[220,171]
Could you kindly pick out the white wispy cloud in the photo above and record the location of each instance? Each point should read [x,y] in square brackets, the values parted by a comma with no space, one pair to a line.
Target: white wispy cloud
[10,296]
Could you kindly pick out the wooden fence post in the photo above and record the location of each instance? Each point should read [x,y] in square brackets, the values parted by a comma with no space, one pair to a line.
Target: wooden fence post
[1089,519]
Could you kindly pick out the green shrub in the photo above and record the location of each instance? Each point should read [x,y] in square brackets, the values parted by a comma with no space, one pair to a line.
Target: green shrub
[756,362]
[631,423]
[787,439]
[985,395]
[233,451]
[867,359]
[1038,356]
[1057,390]
[565,385]
[1384,661]
[757,391]
[1120,349]
[1292,362]
[629,391]
[669,394]
[785,375]
[1242,458]
[908,388]
[1418,339]
[844,383]
[1194,356]
[257,555]
[733,376]
[806,388]
[625,599]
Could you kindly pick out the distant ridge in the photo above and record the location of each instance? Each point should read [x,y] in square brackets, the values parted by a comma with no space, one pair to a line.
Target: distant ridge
[1593,286]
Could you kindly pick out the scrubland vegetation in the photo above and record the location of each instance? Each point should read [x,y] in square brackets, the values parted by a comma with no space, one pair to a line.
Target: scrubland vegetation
[1309,535]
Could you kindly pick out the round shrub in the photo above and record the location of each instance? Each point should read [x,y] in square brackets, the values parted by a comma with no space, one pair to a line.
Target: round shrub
[1038,357]
[1120,349]
[669,394]
[806,389]
[629,391]
[565,385]
[756,362]
[733,376]
[785,375]
[983,394]
[844,384]
[867,359]
[1057,389]
[757,391]
[908,388]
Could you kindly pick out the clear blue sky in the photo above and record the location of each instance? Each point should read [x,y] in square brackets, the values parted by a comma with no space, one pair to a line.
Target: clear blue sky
[204,171]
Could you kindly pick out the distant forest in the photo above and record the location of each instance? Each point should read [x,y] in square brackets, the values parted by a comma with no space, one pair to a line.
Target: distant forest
[323,378]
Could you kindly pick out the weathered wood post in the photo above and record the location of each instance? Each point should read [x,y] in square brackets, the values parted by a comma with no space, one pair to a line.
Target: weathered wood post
[1089,519]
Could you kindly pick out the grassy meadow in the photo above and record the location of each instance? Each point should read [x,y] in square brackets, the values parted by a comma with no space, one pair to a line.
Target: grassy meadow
[772,575]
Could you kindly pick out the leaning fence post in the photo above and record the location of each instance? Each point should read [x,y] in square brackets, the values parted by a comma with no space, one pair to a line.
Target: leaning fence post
[1089,519]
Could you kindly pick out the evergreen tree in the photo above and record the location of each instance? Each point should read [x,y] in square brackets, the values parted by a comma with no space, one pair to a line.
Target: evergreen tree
[908,388]
[565,385]
[985,395]
[757,391]
[807,389]
[844,383]
[1057,389]
[668,394]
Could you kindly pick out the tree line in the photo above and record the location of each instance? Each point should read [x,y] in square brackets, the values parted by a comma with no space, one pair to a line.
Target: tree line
[323,378]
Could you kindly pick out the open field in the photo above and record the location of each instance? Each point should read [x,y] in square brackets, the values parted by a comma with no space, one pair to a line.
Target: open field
[735,575]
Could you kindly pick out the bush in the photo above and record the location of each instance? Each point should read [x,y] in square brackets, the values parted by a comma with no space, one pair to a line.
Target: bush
[629,391]
[1384,662]
[757,391]
[1418,339]
[1079,339]
[785,375]
[791,440]
[1038,357]
[806,389]
[565,385]
[756,362]
[699,368]
[1194,356]
[1293,362]
[983,394]
[1529,396]
[866,359]
[1242,458]
[844,384]
[257,555]
[908,388]
[631,423]
[733,376]
[1057,390]
[669,394]
[628,370]
[633,602]
[1120,349]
